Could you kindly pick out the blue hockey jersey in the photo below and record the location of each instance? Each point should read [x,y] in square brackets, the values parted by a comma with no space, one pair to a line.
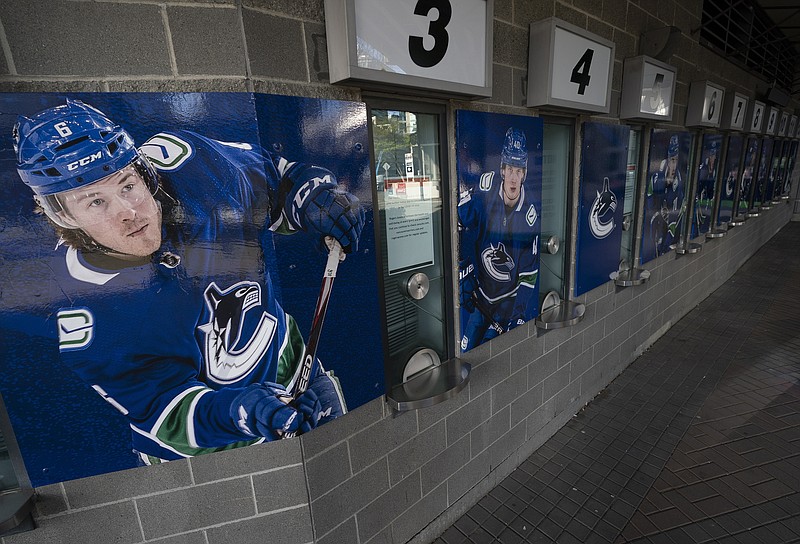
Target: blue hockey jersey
[172,342]
[666,208]
[503,246]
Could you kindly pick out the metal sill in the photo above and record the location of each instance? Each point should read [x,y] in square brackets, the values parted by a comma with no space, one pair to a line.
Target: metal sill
[691,248]
[565,314]
[631,276]
[737,221]
[766,206]
[714,234]
[15,507]
[430,386]
[753,213]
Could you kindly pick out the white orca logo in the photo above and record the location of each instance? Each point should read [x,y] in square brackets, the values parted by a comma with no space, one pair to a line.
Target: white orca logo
[228,356]
[604,204]
[497,262]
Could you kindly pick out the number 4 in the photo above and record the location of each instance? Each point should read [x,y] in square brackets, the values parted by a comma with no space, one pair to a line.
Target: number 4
[580,73]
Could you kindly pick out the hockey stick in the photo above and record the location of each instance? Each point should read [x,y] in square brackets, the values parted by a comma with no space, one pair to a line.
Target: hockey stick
[494,325]
[310,353]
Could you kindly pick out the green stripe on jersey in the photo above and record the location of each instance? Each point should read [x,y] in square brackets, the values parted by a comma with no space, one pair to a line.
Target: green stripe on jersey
[173,430]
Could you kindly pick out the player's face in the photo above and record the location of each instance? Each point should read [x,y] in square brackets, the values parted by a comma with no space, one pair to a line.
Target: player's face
[118,212]
[513,176]
[672,166]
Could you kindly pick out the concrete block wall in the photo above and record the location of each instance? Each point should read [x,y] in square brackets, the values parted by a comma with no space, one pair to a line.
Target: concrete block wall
[373,476]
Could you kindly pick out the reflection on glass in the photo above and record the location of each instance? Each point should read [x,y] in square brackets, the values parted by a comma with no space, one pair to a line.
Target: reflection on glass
[555,181]
[408,178]
[631,174]
[8,479]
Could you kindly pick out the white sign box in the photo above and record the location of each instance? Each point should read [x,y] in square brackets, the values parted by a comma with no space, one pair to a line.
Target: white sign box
[648,88]
[569,67]
[755,118]
[705,104]
[734,112]
[439,46]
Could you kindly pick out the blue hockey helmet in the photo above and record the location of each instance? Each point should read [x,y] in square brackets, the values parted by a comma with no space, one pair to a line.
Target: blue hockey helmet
[672,150]
[515,150]
[72,146]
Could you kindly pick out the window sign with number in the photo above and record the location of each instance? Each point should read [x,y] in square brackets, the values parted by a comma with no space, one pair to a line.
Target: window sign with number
[784,124]
[734,112]
[772,121]
[569,67]
[755,118]
[440,46]
[648,88]
[705,104]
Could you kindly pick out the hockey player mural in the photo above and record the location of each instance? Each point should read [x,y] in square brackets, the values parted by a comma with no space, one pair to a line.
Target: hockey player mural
[499,224]
[166,256]
[730,179]
[748,175]
[665,202]
[706,184]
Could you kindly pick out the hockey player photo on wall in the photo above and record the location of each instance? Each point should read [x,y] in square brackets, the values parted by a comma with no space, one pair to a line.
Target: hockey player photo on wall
[171,299]
[665,197]
[499,165]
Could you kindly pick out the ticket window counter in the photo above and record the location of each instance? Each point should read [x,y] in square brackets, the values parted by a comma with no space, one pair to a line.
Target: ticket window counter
[629,274]
[555,308]
[413,229]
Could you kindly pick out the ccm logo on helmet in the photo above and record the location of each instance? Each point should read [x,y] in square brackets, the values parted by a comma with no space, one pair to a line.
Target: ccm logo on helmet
[84,161]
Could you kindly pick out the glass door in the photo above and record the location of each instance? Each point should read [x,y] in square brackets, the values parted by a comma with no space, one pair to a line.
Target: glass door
[556,169]
[629,212]
[413,238]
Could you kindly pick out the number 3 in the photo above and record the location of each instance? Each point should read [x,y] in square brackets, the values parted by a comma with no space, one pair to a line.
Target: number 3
[437,29]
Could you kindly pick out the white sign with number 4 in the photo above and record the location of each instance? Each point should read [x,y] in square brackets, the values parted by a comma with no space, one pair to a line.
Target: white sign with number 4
[580,69]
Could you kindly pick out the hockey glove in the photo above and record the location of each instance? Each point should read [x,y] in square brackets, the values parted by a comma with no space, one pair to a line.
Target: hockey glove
[308,406]
[333,212]
[264,410]
[331,399]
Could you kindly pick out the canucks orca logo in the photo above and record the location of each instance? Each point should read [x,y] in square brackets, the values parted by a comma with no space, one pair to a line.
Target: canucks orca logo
[233,343]
[730,183]
[497,262]
[603,206]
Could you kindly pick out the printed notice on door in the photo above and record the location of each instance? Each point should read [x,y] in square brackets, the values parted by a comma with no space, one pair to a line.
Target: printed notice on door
[409,227]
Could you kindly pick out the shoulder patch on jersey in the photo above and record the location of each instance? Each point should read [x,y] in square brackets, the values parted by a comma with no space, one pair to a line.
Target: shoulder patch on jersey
[75,329]
[486,181]
[166,151]
[531,216]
